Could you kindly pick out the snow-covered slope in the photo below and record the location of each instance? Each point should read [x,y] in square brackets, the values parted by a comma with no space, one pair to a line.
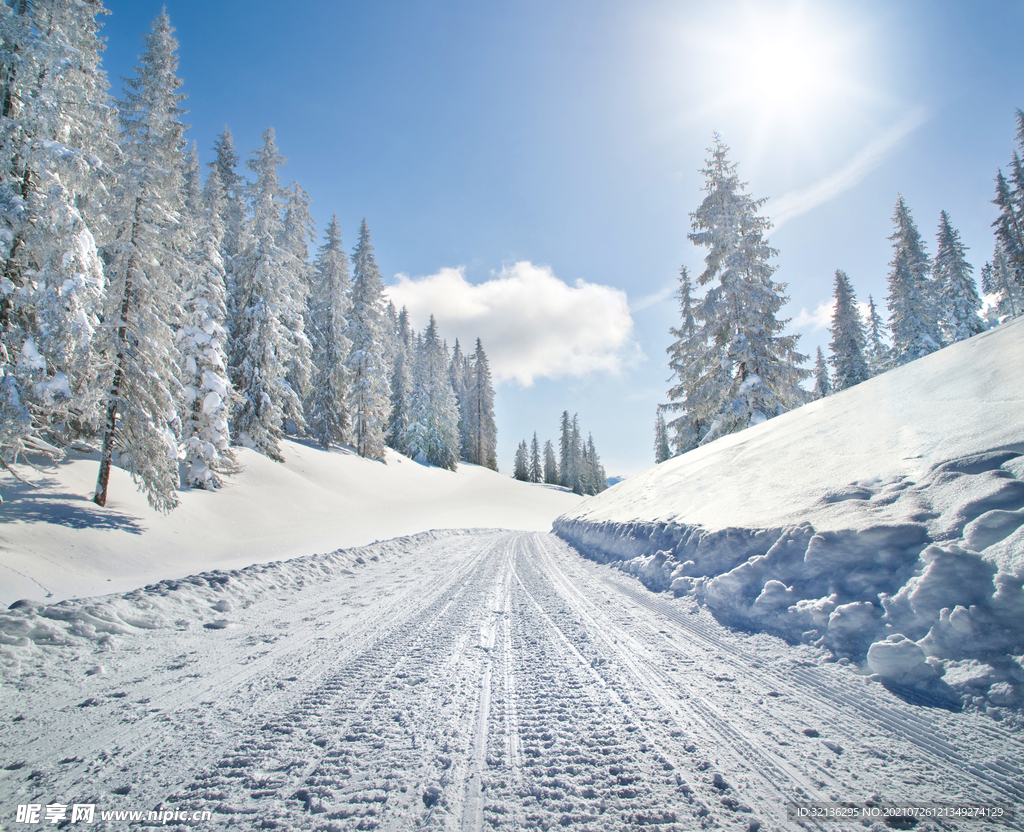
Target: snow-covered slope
[885,522]
[55,543]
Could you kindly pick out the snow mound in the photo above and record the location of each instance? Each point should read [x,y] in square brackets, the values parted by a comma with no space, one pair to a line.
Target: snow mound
[884,523]
[30,631]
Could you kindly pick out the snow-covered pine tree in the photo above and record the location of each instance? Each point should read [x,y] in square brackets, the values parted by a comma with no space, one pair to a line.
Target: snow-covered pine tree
[822,383]
[536,469]
[521,465]
[736,317]
[913,313]
[369,396]
[297,231]
[481,427]
[848,342]
[565,451]
[56,141]
[233,216]
[661,449]
[433,432]
[261,344]
[697,372]
[1009,225]
[326,409]
[144,265]
[550,464]
[998,281]
[876,351]
[202,344]
[958,294]
[596,476]
[401,385]
[457,374]
[575,456]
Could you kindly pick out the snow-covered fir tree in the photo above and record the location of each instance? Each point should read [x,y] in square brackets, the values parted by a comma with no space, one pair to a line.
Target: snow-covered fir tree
[536,469]
[595,479]
[521,464]
[297,231]
[56,142]
[481,429]
[261,343]
[142,296]
[822,383]
[233,214]
[566,452]
[743,368]
[697,372]
[1005,295]
[913,305]
[458,370]
[661,449]
[369,394]
[847,346]
[958,294]
[1009,225]
[401,385]
[433,431]
[550,464]
[876,351]
[202,343]
[326,408]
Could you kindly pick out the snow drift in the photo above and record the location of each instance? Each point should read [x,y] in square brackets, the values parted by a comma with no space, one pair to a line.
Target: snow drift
[885,523]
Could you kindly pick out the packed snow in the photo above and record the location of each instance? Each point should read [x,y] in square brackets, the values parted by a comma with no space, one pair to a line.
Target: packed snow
[55,543]
[885,523]
[458,680]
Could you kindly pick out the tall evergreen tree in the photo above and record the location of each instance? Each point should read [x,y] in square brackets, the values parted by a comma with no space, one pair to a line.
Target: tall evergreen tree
[233,217]
[142,297]
[550,465]
[433,431]
[261,344]
[297,231]
[56,140]
[998,281]
[752,371]
[848,342]
[481,427]
[326,409]
[877,352]
[1009,225]
[913,313]
[958,294]
[202,347]
[401,385]
[822,383]
[521,465]
[565,451]
[536,469]
[661,449]
[369,399]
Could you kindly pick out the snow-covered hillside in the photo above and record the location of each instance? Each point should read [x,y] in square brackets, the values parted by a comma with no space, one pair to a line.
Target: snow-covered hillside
[885,523]
[55,543]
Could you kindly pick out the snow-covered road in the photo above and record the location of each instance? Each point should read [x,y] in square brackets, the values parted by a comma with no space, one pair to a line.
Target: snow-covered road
[473,681]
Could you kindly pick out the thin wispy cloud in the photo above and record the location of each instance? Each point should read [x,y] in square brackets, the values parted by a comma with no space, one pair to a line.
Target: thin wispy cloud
[532,324]
[650,300]
[869,157]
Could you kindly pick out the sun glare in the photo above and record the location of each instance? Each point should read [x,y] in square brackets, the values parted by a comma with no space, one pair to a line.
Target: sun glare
[783,67]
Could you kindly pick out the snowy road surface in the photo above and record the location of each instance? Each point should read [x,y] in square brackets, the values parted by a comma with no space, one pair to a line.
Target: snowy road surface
[492,680]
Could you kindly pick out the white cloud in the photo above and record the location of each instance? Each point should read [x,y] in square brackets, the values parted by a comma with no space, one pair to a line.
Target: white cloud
[532,324]
[795,203]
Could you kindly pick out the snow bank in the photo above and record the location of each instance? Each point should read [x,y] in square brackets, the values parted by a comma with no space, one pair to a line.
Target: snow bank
[32,631]
[885,523]
[55,543]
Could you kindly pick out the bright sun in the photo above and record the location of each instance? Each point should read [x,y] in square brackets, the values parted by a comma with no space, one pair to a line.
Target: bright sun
[784,67]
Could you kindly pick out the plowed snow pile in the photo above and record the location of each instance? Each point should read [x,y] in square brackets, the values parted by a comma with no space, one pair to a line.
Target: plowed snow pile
[885,523]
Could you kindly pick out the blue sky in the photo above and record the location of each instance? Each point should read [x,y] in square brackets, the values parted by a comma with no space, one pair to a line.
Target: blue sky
[530,167]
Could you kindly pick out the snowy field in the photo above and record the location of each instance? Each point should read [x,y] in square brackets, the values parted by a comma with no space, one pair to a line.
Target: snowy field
[884,523]
[461,681]
[55,543]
